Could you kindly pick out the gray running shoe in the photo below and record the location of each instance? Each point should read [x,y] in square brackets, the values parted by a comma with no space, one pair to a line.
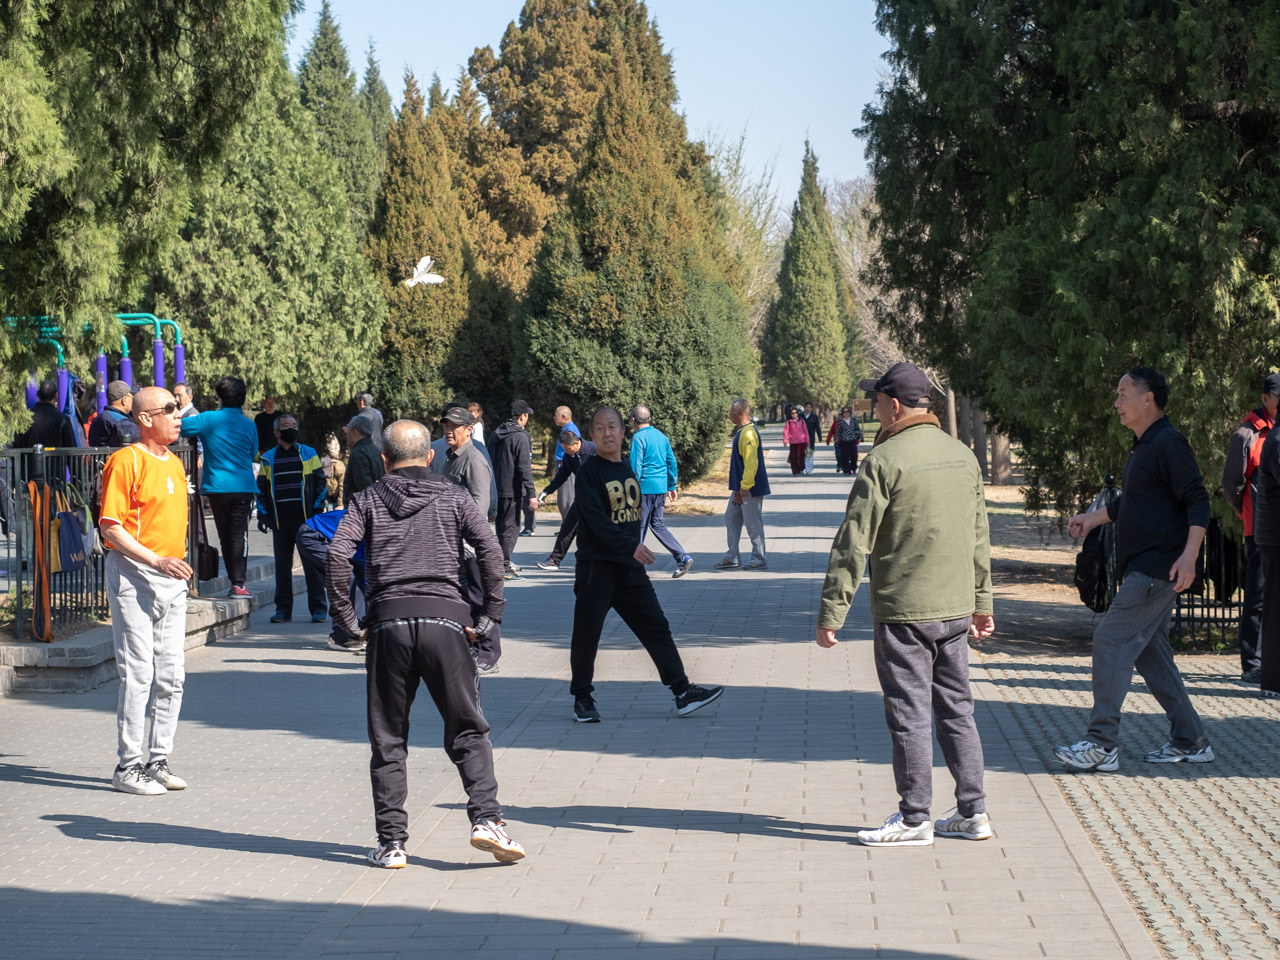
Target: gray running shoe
[1087,755]
[977,827]
[1171,754]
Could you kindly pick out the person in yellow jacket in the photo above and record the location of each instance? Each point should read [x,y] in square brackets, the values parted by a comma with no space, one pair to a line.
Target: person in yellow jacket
[291,488]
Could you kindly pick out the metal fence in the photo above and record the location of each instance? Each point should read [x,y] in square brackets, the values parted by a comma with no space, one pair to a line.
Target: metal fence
[1213,604]
[69,475]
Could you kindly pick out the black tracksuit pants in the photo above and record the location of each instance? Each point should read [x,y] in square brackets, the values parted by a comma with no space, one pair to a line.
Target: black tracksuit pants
[283,538]
[313,550]
[1251,609]
[231,518]
[601,587]
[508,525]
[568,530]
[401,654]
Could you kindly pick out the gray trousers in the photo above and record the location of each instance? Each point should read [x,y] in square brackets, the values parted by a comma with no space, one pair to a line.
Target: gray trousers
[924,673]
[1134,632]
[751,513]
[148,626]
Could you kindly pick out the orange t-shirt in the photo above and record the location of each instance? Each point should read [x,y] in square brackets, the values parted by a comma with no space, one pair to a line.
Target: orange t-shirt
[147,496]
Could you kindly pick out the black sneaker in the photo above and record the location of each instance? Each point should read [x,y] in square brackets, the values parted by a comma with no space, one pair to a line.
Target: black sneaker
[584,710]
[390,854]
[1252,676]
[695,698]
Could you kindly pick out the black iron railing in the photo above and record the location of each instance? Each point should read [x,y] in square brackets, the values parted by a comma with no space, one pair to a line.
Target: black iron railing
[1211,608]
[69,475]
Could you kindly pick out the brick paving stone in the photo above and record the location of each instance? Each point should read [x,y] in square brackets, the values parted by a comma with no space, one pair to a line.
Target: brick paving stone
[727,834]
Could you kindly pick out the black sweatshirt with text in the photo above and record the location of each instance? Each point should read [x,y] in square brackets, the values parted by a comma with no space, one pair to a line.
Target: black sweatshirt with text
[608,503]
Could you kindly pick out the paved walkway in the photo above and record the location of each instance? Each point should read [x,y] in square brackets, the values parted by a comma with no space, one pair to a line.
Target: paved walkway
[728,834]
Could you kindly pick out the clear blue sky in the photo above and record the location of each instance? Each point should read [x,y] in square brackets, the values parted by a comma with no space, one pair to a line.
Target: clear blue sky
[781,71]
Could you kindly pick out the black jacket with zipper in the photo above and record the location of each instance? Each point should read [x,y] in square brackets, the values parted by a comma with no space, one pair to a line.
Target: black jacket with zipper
[511,452]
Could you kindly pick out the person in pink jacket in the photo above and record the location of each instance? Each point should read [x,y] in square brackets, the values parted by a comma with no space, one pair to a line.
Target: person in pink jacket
[795,435]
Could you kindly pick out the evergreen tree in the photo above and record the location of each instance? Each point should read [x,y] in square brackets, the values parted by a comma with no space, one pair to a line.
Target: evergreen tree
[329,91]
[418,215]
[806,330]
[1066,190]
[267,275]
[104,120]
[630,300]
[375,102]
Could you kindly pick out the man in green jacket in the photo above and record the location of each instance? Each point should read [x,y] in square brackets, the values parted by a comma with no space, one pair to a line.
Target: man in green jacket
[917,512]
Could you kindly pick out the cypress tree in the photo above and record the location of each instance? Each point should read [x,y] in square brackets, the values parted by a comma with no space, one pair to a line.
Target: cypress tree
[418,215]
[105,119]
[375,102]
[806,334]
[630,301]
[328,88]
[267,275]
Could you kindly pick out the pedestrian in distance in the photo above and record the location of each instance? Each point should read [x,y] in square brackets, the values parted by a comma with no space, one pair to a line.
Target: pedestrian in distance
[576,451]
[748,486]
[1161,517]
[144,528]
[814,423]
[230,443]
[654,464]
[795,437]
[917,511]
[847,434]
[364,460]
[477,429]
[414,525]
[513,473]
[314,537]
[1266,535]
[1240,487]
[114,427]
[610,575]
[365,407]
[264,423]
[562,420]
[440,457]
[291,489]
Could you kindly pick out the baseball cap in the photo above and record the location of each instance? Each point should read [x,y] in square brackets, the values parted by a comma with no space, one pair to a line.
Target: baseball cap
[519,408]
[117,390]
[1271,383]
[905,382]
[459,415]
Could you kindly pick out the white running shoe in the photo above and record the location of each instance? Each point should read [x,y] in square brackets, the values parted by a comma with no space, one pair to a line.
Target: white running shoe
[135,779]
[390,854]
[896,832]
[1171,754]
[1087,755]
[491,835]
[159,771]
[977,827]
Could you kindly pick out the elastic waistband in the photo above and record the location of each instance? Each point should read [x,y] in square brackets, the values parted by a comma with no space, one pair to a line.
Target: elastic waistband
[415,621]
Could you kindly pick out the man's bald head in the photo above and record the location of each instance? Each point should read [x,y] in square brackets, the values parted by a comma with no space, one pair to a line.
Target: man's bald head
[149,398]
[562,416]
[154,425]
[406,443]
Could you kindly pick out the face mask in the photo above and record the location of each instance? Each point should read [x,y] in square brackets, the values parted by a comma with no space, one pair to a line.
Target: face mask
[289,435]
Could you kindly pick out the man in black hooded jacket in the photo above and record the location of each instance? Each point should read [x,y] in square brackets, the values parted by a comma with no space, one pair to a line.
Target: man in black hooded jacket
[511,451]
[419,628]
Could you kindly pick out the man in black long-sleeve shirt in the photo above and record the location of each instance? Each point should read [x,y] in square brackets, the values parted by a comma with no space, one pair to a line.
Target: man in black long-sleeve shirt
[610,575]
[576,451]
[1160,517]
[414,523]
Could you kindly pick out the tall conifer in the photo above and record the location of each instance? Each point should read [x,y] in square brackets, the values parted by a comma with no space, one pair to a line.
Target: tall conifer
[375,101]
[418,215]
[630,301]
[328,88]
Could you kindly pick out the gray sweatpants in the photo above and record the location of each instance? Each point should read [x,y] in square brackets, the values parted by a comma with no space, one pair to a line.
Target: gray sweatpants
[751,513]
[1135,633]
[148,625]
[924,673]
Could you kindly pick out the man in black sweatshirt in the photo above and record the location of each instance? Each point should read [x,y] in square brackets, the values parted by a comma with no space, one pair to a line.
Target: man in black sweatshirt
[610,575]
[576,451]
[513,473]
[419,629]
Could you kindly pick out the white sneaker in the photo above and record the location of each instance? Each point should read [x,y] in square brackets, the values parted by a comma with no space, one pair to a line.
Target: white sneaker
[894,832]
[136,780]
[1087,755]
[1171,754]
[491,835]
[390,855]
[159,771]
[977,827]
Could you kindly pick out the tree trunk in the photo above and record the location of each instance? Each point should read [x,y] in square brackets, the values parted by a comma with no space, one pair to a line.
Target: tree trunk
[1001,459]
[951,412]
[964,423]
[980,438]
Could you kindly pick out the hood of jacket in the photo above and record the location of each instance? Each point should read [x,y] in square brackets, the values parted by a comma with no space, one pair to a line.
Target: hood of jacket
[507,429]
[406,490]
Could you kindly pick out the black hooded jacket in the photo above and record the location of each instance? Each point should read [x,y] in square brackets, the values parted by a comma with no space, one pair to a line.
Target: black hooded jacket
[413,524]
[511,451]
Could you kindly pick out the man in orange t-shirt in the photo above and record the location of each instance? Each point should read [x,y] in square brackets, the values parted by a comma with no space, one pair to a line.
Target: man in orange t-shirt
[144,523]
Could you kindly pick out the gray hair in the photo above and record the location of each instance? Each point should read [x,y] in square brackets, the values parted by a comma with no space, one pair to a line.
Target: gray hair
[641,414]
[406,443]
[366,398]
[275,424]
[740,405]
[364,424]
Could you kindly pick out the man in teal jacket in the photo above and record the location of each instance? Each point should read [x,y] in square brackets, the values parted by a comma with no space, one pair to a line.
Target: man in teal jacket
[290,490]
[917,512]
[654,464]
[230,443]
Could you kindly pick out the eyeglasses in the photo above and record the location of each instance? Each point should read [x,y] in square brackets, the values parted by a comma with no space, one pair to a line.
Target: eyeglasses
[169,409]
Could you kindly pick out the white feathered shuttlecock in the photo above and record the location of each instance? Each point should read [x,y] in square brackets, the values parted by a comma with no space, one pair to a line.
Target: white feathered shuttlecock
[421,274]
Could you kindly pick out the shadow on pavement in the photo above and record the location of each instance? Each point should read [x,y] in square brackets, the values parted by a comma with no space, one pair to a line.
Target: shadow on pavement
[33,922]
[22,773]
